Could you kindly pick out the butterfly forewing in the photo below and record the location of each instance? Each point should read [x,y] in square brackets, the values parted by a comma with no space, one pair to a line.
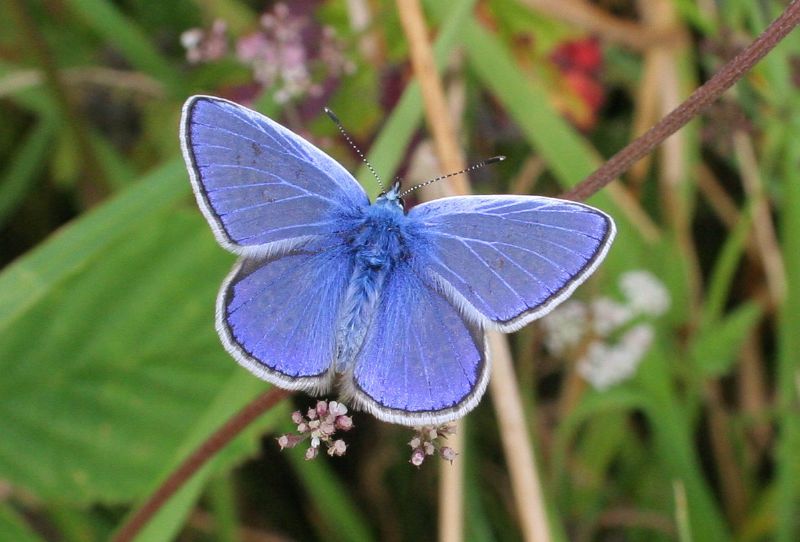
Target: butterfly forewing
[261,187]
[510,259]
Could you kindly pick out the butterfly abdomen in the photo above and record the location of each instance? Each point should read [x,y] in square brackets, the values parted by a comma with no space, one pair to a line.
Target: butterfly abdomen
[377,244]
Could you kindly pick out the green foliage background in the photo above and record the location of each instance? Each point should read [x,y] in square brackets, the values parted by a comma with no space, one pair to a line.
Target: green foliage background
[111,372]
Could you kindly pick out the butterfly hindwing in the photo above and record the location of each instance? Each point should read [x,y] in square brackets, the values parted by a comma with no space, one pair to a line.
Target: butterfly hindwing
[278,317]
[262,188]
[510,259]
[421,362]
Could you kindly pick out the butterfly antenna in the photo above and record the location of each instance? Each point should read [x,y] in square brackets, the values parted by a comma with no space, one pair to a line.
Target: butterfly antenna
[347,138]
[473,167]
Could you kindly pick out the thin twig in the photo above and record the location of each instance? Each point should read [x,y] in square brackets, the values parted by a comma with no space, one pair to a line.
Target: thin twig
[451,481]
[733,491]
[694,105]
[763,228]
[134,82]
[213,444]
[519,453]
[754,396]
[436,111]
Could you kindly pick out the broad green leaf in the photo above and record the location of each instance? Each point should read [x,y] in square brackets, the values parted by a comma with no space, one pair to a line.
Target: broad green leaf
[69,251]
[107,371]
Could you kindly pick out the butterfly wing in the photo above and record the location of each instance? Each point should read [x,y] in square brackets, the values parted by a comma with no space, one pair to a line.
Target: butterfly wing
[421,362]
[260,186]
[277,317]
[510,259]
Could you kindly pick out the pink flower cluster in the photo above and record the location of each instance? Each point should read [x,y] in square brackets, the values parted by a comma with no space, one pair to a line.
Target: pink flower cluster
[279,53]
[320,424]
[206,45]
[429,440]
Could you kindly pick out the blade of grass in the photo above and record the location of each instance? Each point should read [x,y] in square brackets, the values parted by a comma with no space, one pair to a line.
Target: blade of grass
[118,171]
[673,443]
[26,164]
[72,523]
[105,19]
[339,517]
[222,497]
[477,526]
[715,347]
[788,467]
[530,106]
[682,512]
[91,182]
[725,268]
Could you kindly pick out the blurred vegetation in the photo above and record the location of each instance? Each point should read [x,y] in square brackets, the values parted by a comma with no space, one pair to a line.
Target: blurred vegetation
[111,369]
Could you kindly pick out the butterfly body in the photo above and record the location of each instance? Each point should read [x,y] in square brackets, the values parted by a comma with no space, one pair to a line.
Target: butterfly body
[388,305]
[377,241]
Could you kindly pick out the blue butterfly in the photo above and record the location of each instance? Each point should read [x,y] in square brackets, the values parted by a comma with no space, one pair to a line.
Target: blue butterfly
[387,305]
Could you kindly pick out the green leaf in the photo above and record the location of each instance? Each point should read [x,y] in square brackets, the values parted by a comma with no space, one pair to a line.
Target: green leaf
[70,250]
[788,371]
[107,371]
[715,348]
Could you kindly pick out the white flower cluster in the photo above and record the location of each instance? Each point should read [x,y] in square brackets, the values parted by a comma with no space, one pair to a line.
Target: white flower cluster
[601,362]
[605,365]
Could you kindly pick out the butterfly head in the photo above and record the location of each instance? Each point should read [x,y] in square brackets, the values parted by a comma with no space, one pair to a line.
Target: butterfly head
[391,198]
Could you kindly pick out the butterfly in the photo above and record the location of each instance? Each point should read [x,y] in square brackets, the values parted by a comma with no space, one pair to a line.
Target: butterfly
[389,306]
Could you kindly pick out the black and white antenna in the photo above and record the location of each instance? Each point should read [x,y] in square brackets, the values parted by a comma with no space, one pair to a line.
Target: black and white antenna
[473,167]
[338,123]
